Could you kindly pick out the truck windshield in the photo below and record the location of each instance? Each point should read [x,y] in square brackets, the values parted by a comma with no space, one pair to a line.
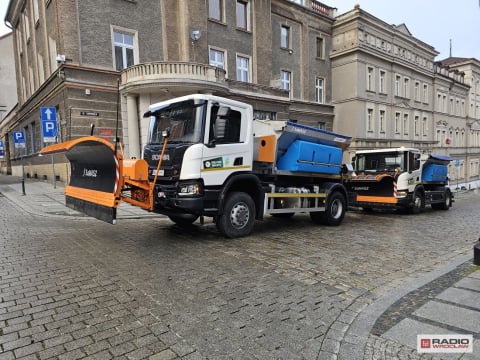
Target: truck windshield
[379,162]
[184,120]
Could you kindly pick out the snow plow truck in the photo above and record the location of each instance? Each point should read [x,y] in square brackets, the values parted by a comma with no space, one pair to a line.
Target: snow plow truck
[206,156]
[400,179]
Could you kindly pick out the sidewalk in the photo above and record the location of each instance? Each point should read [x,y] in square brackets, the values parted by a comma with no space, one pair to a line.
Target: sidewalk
[45,199]
[443,302]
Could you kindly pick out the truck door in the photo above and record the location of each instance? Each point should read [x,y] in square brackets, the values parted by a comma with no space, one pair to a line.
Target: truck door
[228,147]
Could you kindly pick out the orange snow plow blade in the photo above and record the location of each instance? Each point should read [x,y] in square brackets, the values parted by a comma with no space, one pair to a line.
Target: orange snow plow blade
[95,181]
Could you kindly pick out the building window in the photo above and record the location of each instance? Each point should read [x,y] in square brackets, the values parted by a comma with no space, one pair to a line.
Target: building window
[406,88]
[425,93]
[123,47]
[264,115]
[217,58]
[243,68]
[322,125]
[41,69]
[424,126]
[319,90]
[382,82]
[242,15]
[417,91]
[405,124]
[285,80]
[397,85]
[370,78]
[397,123]
[382,121]
[284,37]
[320,44]
[369,120]
[36,15]
[31,80]
[26,24]
[415,125]
[31,130]
[215,10]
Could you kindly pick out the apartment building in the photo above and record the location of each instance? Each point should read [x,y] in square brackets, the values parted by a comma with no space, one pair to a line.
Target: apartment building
[104,65]
[462,130]
[388,91]
[8,94]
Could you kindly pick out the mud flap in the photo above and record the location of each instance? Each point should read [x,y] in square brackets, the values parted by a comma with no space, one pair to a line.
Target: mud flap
[95,172]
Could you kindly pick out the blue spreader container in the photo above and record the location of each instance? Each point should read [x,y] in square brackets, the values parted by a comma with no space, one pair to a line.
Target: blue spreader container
[435,173]
[311,157]
[435,168]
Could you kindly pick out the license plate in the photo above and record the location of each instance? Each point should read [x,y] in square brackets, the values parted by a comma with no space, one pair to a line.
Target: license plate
[160,172]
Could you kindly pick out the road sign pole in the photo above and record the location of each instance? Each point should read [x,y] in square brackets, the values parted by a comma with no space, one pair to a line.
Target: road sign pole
[23,175]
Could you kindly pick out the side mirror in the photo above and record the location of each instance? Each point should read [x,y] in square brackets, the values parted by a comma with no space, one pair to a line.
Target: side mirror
[211,143]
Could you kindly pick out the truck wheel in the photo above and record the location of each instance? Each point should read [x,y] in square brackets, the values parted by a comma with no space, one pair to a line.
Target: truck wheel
[334,211]
[183,220]
[446,204]
[238,215]
[418,203]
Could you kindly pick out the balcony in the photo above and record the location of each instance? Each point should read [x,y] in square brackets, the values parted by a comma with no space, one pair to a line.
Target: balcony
[320,8]
[171,74]
[317,7]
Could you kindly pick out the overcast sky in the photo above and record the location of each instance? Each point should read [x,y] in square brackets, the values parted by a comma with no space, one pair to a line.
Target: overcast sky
[434,22]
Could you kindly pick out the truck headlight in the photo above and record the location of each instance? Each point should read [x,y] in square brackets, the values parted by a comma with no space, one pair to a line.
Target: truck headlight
[402,194]
[190,189]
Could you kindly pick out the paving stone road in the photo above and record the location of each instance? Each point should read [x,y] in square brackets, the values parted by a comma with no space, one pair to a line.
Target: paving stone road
[74,287]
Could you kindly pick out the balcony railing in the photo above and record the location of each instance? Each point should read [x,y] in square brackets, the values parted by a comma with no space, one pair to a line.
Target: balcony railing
[155,71]
[320,8]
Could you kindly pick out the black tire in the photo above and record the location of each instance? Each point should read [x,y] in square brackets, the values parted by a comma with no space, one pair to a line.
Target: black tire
[446,204]
[283,215]
[418,203]
[183,220]
[238,216]
[334,211]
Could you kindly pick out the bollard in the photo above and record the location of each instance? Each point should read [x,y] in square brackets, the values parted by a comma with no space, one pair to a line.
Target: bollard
[23,186]
[476,254]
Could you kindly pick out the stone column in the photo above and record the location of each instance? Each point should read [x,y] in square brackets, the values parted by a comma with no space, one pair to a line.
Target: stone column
[133,127]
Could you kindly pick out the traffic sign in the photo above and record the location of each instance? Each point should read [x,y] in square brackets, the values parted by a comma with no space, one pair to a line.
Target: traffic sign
[49,131]
[48,114]
[49,124]
[19,139]
[2,150]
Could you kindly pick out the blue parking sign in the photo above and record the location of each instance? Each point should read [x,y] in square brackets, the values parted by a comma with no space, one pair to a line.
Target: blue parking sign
[19,139]
[49,124]
[49,131]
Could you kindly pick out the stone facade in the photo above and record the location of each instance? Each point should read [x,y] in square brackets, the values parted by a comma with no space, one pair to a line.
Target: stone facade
[8,94]
[149,45]
[297,60]
[388,91]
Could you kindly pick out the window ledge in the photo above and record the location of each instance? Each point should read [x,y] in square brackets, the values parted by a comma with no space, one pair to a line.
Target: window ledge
[217,21]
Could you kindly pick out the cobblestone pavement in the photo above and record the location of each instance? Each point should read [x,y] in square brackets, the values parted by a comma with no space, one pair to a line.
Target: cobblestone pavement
[74,287]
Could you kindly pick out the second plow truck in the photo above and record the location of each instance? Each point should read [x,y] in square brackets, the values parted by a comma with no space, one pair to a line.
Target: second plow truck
[400,178]
[207,156]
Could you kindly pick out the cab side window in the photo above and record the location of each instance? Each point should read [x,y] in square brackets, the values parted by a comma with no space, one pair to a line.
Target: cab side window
[225,125]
